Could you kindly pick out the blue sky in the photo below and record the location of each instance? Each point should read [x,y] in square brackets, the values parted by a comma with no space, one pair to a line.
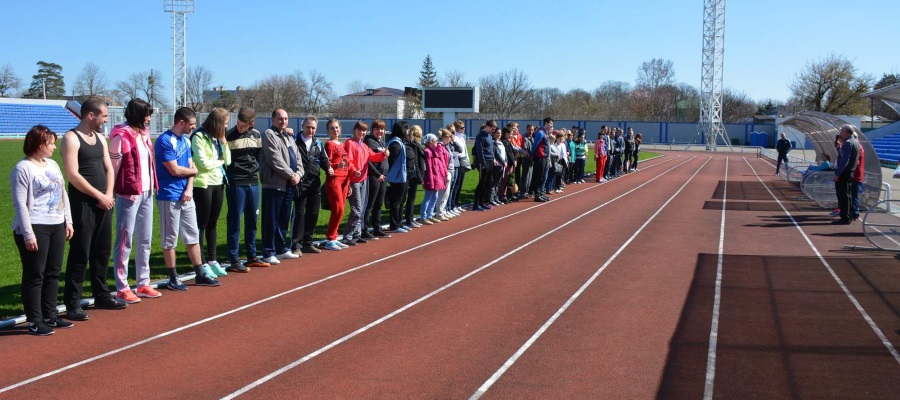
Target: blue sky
[563,44]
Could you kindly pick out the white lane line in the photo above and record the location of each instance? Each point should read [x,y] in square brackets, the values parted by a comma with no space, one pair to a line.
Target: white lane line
[496,376]
[287,292]
[717,300]
[884,340]
[372,324]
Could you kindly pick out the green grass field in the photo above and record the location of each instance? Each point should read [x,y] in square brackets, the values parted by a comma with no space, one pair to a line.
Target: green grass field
[11,270]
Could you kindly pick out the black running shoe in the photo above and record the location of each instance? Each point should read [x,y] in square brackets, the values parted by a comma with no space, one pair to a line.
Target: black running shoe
[310,249]
[39,330]
[57,322]
[77,314]
[362,241]
[109,303]
[203,280]
[176,285]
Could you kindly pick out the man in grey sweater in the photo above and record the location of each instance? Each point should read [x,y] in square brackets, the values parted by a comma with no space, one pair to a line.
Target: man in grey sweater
[280,171]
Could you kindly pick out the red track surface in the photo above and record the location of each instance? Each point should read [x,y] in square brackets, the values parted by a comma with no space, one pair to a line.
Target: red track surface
[641,329]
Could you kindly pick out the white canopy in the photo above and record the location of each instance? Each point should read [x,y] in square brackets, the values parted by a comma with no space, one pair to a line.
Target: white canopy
[890,95]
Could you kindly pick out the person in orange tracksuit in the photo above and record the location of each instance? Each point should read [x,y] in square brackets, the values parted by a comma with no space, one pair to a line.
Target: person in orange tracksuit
[600,155]
[337,184]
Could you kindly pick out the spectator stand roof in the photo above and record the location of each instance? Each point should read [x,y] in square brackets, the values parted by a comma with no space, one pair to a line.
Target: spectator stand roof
[820,129]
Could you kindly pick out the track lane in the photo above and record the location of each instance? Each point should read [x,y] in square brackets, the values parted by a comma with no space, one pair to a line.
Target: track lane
[783,321]
[613,340]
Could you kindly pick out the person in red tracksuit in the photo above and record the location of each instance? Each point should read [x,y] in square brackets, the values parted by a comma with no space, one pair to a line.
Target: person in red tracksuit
[337,184]
[600,154]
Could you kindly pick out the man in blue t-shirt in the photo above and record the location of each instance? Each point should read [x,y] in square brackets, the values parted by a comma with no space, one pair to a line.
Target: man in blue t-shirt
[177,214]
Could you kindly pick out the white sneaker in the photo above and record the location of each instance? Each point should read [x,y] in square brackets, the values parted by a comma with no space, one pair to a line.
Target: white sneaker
[341,245]
[287,255]
[272,260]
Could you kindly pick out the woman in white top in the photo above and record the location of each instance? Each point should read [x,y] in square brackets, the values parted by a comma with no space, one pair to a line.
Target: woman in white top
[41,226]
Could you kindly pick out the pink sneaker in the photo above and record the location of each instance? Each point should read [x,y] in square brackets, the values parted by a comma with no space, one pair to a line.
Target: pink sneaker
[128,296]
[148,292]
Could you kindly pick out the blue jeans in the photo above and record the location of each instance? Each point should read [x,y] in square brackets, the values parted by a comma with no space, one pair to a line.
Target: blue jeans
[855,189]
[459,177]
[427,210]
[276,216]
[242,201]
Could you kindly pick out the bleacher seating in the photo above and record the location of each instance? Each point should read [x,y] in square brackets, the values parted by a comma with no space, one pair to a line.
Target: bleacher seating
[17,119]
[888,148]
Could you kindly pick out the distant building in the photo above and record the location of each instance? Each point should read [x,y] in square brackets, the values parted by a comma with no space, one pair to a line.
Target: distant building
[386,101]
[221,97]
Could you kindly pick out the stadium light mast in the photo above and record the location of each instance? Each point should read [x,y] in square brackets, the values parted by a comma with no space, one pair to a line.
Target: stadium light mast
[179,9]
[711,74]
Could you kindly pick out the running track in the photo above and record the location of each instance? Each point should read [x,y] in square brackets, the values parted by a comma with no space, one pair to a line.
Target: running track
[698,277]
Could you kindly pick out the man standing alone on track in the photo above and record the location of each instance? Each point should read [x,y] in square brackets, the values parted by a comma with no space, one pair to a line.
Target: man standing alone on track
[783,146]
[848,160]
[90,175]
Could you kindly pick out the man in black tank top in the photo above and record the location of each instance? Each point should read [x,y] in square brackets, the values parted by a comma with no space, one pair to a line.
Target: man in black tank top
[90,175]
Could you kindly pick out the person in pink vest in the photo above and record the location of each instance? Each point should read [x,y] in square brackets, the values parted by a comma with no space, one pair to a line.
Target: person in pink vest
[131,153]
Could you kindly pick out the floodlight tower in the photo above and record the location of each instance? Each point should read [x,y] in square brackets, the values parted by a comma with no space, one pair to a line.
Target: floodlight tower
[711,74]
[179,9]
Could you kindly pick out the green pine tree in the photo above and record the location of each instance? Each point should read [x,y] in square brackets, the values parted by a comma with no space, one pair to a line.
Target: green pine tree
[49,74]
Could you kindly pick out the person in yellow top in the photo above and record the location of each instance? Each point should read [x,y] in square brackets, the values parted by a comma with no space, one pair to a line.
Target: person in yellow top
[211,154]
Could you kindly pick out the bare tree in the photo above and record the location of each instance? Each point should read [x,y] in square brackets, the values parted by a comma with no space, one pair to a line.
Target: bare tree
[575,104]
[129,88]
[320,93]
[199,80]
[831,85]
[611,99]
[542,102]
[456,78]
[655,73]
[144,85]
[687,103]
[505,94]
[654,97]
[358,86]
[288,92]
[736,106]
[9,81]
[91,81]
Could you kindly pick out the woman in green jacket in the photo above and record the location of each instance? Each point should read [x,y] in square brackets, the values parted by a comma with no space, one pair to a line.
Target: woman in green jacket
[210,152]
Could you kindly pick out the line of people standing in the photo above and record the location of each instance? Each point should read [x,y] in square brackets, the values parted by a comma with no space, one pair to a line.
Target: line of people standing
[119,175]
[616,153]
[192,171]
